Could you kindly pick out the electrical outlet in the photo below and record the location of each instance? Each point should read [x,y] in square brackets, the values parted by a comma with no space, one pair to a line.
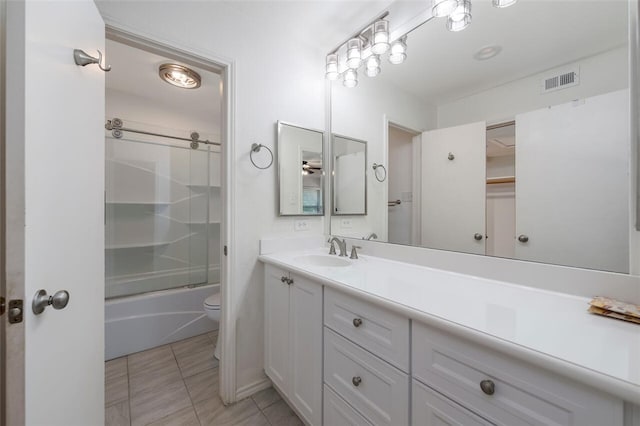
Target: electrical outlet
[346,223]
[301,225]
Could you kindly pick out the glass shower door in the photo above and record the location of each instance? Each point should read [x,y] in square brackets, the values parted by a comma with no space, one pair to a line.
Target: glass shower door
[157,202]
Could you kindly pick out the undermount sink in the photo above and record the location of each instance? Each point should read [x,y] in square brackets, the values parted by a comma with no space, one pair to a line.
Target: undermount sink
[323,260]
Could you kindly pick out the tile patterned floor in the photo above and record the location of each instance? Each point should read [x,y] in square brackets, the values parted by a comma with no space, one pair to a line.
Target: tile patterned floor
[177,385]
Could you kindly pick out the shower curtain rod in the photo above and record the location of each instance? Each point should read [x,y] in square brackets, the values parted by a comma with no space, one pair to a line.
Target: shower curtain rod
[115,126]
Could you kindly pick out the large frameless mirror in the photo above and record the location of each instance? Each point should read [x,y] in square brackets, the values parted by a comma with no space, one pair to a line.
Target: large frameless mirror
[510,138]
[300,170]
[349,176]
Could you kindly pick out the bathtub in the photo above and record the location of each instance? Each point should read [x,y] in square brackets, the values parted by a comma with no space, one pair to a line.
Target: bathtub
[136,323]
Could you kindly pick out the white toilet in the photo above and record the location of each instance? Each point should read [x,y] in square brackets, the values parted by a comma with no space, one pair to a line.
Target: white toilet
[212,309]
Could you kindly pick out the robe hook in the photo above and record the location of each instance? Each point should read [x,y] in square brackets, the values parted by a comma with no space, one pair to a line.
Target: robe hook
[83,59]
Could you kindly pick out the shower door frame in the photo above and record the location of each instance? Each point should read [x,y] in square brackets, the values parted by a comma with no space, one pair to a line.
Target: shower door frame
[225,67]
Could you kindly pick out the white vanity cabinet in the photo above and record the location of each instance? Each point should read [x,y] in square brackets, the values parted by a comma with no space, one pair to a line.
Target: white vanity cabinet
[501,389]
[293,340]
[366,361]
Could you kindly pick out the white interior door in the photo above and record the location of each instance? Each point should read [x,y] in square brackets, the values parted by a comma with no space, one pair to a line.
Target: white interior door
[55,138]
[453,190]
[572,183]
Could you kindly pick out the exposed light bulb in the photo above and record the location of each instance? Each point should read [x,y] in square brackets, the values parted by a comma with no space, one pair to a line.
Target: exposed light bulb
[503,3]
[354,53]
[380,37]
[350,78]
[332,67]
[456,26]
[398,51]
[442,8]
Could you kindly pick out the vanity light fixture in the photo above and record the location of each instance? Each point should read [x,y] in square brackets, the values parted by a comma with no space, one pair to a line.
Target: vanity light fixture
[180,76]
[332,67]
[460,18]
[365,48]
[442,8]
[354,53]
[350,78]
[503,3]
[380,37]
[398,51]
[373,65]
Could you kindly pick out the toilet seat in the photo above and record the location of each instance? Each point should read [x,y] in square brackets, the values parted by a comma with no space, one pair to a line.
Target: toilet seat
[213,301]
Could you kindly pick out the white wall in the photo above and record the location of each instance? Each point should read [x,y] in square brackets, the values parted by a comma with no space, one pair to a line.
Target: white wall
[277,78]
[131,108]
[374,100]
[603,73]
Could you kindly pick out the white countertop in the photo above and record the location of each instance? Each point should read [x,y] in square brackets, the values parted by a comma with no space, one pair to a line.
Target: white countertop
[549,329]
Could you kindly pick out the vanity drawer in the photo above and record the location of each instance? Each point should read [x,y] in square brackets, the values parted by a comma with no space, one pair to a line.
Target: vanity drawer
[522,394]
[376,329]
[431,409]
[376,389]
[338,413]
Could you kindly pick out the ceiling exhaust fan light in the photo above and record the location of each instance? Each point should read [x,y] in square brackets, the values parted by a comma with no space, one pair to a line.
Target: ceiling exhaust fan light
[332,67]
[350,78]
[354,53]
[179,76]
[398,51]
[442,8]
[380,37]
[503,3]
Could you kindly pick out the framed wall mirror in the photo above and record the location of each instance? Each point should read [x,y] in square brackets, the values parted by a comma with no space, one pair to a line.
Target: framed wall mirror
[300,170]
[510,138]
[349,176]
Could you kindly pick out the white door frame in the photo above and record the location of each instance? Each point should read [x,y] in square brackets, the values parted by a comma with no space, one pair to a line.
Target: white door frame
[14,207]
[226,68]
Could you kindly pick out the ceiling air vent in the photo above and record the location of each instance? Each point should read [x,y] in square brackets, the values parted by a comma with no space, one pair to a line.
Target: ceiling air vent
[561,81]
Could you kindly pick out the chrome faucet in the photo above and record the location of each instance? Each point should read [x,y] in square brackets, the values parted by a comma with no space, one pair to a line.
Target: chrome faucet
[370,236]
[342,245]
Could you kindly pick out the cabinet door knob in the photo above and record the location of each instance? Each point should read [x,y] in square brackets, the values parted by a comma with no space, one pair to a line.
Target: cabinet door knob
[283,279]
[523,238]
[289,281]
[356,381]
[357,322]
[477,236]
[488,387]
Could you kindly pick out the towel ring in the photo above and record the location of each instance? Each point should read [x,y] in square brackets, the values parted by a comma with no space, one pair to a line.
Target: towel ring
[375,172]
[255,147]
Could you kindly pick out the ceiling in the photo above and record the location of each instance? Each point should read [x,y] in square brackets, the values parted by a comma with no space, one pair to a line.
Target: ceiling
[135,72]
[535,35]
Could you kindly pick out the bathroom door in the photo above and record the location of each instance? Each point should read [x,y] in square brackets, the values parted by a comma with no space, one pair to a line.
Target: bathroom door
[572,183]
[55,212]
[454,187]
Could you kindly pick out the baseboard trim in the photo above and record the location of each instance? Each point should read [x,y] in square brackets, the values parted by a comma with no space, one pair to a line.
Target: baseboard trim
[252,388]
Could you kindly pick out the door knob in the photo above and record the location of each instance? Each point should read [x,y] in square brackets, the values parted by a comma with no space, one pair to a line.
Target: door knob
[41,300]
[523,238]
[488,387]
[477,236]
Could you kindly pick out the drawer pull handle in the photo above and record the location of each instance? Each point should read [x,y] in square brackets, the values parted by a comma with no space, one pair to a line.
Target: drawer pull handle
[357,322]
[488,387]
[356,381]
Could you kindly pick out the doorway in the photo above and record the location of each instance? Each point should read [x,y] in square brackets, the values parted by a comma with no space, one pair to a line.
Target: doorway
[166,198]
[404,175]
